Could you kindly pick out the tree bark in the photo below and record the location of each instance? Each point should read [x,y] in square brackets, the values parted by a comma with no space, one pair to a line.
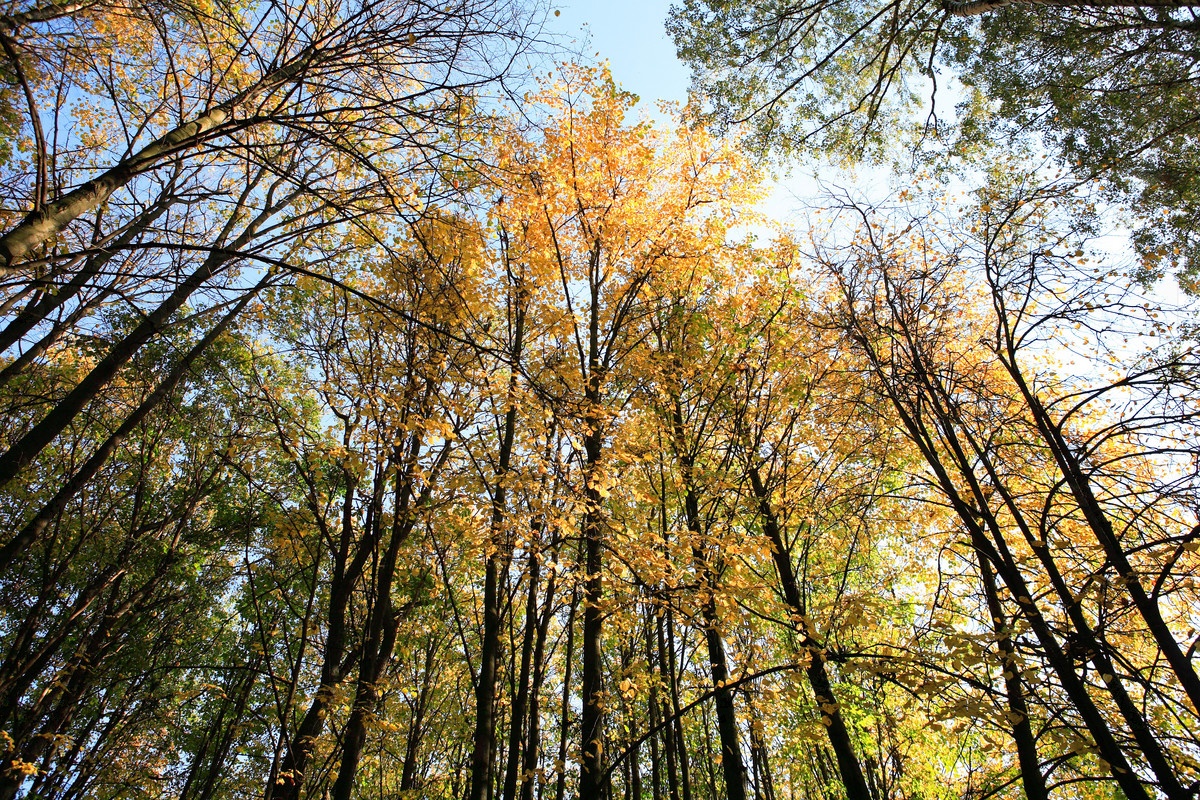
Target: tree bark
[42,225]
[560,784]
[499,556]
[733,767]
[533,740]
[516,730]
[818,677]
[1022,731]
[36,526]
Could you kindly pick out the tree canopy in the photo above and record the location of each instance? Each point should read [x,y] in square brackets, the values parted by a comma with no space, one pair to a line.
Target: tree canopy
[1110,87]
[382,422]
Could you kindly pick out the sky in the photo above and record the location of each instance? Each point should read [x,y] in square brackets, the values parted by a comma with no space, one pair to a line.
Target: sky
[632,36]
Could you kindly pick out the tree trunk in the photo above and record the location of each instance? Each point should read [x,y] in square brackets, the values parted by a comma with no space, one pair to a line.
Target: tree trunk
[818,677]
[560,784]
[592,776]
[36,526]
[681,751]
[1022,731]
[499,556]
[42,225]
[516,730]
[999,555]
[382,622]
[533,740]
[416,731]
[288,783]
[733,768]
[653,712]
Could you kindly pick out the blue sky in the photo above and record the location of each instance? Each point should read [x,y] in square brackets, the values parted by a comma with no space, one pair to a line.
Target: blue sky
[631,35]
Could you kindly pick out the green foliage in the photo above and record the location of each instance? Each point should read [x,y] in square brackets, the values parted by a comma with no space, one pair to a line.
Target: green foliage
[1110,90]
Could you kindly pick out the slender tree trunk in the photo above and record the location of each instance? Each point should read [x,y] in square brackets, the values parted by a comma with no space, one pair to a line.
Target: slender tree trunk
[1022,730]
[764,783]
[677,772]
[733,767]
[36,526]
[933,398]
[416,731]
[681,751]
[710,756]
[653,711]
[533,740]
[226,733]
[382,621]
[593,780]
[288,783]
[516,730]
[997,551]
[818,677]
[484,738]
[560,785]
[978,517]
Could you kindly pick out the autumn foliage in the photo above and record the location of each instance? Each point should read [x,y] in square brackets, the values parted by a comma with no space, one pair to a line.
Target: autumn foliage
[370,435]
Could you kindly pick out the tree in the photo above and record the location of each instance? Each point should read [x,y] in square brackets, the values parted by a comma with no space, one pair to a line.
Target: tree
[1108,87]
[1002,466]
[608,213]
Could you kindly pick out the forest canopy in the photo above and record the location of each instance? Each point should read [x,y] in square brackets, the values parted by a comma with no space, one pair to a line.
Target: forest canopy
[392,409]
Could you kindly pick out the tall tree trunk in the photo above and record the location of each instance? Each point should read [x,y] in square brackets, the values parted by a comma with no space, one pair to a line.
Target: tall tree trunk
[226,734]
[681,750]
[36,526]
[416,731]
[288,782]
[534,737]
[652,710]
[677,775]
[818,677]
[997,551]
[564,720]
[733,768]
[495,571]
[593,784]
[1022,730]
[979,516]
[382,620]
[593,781]
[516,730]
[932,399]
